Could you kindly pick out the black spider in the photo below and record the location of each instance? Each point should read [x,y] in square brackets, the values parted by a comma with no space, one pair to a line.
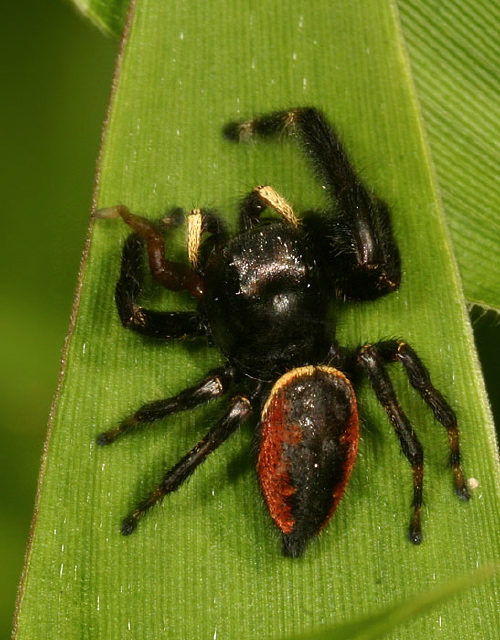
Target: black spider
[263,299]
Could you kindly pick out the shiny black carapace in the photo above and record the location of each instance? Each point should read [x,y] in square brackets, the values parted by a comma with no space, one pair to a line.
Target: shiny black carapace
[265,298]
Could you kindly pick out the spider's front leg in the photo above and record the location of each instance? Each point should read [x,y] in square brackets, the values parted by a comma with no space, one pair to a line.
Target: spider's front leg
[175,276]
[356,236]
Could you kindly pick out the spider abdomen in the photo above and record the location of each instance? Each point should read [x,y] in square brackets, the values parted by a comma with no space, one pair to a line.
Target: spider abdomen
[265,301]
[309,441]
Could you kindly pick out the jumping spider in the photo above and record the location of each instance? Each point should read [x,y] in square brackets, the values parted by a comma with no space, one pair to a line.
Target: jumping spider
[263,297]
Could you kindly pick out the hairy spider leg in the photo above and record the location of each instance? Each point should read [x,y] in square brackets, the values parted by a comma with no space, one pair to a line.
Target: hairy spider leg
[357,234]
[239,410]
[373,364]
[259,199]
[400,351]
[213,386]
[156,324]
[175,276]
[370,360]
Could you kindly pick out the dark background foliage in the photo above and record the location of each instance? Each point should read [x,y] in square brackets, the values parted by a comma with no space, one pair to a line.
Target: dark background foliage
[56,77]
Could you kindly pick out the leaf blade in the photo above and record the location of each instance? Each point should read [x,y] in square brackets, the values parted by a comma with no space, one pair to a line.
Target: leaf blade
[184,574]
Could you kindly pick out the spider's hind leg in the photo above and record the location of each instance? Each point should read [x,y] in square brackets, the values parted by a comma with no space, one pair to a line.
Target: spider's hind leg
[371,362]
[213,386]
[400,351]
[372,359]
[239,409]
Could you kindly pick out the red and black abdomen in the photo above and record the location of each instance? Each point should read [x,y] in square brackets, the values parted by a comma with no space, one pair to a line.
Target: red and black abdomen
[309,441]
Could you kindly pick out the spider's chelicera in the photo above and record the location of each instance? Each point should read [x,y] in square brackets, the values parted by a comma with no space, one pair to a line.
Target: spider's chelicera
[264,300]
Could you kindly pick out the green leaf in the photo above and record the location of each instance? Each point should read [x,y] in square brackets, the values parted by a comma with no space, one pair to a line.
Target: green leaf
[454,55]
[207,563]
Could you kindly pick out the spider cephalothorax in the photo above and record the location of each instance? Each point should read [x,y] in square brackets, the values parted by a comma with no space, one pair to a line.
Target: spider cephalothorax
[264,296]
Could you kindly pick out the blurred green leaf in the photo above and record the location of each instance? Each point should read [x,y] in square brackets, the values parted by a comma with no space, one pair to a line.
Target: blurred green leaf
[380,623]
[108,15]
[201,565]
